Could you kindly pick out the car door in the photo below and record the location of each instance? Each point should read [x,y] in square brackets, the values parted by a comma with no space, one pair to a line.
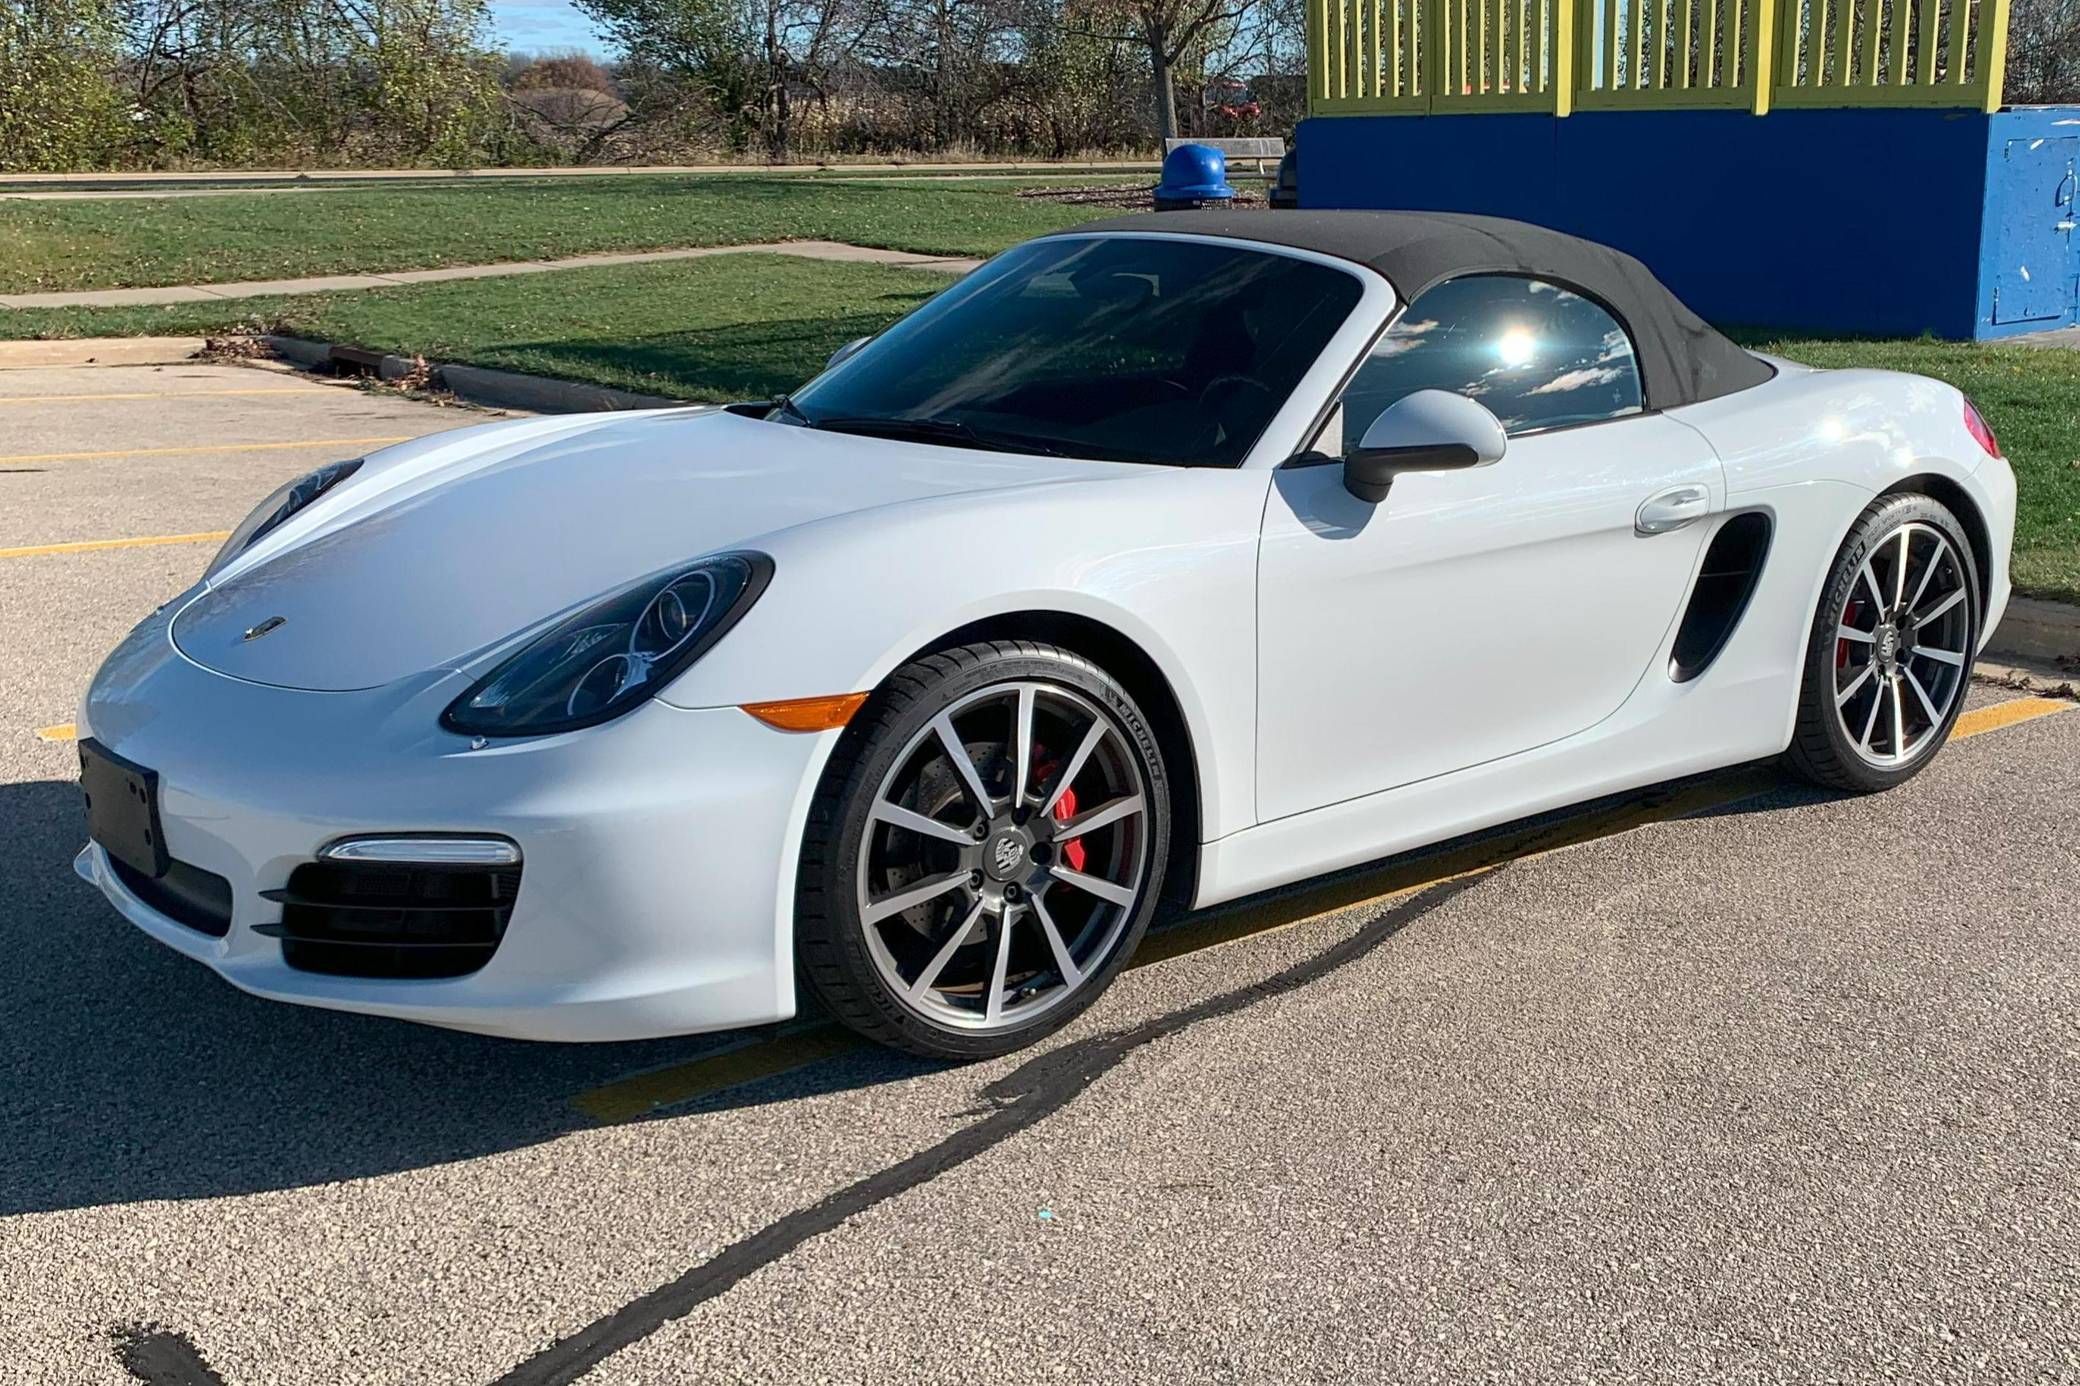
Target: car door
[1476,614]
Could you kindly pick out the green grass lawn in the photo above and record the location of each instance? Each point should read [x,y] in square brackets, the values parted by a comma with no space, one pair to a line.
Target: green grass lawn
[124,243]
[746,326]
[732,327]
[2031,397]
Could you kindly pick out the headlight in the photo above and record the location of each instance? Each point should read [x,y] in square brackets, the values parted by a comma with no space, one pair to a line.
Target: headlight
[279,507]
[615,653]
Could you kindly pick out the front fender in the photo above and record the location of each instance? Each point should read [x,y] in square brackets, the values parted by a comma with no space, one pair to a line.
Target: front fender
[1166,558]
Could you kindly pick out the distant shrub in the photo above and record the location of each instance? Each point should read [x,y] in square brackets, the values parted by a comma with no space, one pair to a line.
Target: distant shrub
[60,107]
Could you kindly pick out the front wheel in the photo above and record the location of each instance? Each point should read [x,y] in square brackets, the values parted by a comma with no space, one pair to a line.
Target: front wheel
[1890,654]
[984,852]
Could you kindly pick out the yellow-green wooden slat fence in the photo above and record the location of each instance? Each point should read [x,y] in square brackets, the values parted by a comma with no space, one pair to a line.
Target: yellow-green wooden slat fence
[1381,80]
[1407,56]
[1959,48]
[1362,56]
[1494,61]
[1959,11]
[1659,54]
[1609,67]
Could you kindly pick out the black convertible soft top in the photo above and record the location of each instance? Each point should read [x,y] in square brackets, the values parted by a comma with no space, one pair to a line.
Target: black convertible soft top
[1681,358]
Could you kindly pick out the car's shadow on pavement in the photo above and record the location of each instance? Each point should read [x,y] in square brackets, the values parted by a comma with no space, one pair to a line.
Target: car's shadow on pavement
[128,1072]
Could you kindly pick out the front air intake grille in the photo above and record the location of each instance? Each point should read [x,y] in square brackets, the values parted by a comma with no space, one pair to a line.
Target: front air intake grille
[186,894]
[379,919]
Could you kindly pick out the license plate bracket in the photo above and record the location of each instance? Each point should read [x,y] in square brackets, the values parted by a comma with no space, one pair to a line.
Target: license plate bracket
[122,799]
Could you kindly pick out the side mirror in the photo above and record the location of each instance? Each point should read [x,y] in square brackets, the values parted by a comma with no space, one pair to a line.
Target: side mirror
[1428,431]
[846,353]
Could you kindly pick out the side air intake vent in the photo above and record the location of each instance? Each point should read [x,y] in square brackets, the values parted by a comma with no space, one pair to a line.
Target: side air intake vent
[381,919]
[1731,566]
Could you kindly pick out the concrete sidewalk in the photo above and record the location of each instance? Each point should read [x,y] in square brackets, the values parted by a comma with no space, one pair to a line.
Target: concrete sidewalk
[335,283]
[156,193]
[264,177]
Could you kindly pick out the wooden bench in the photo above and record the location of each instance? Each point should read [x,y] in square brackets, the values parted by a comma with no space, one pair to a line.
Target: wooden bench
[1251,147]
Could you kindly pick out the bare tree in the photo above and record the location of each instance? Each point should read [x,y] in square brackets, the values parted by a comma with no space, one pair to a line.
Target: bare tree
[748,56]
[953,53]
[2044,52]
[258,81]
[1169,31]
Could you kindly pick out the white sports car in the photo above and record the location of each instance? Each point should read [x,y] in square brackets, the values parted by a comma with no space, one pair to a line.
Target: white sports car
[1185,554]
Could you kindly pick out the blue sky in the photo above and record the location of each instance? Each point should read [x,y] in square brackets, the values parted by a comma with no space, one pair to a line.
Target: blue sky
[534,25]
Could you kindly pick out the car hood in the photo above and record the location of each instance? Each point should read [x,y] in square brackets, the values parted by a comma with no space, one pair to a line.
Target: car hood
[429,561]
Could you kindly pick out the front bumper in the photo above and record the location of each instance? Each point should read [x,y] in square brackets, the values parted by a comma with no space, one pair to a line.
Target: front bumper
[659,849]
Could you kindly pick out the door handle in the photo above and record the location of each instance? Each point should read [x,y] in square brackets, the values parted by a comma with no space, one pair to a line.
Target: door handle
[1672,509]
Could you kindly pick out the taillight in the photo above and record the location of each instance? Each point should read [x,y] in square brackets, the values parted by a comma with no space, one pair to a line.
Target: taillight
[1975,422]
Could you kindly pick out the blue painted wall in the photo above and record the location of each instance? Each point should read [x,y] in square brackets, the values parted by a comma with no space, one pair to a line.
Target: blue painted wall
[1885,222]
[2029,277]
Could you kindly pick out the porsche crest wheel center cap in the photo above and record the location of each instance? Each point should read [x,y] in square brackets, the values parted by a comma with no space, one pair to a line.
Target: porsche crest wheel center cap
[1004,857]
[1888,645]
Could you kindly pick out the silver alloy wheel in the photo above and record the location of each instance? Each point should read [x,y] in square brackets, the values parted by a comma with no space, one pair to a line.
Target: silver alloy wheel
[1901,646]
[1005,853]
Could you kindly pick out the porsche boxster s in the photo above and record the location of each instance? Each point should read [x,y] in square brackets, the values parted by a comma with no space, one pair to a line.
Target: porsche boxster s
[1187,554]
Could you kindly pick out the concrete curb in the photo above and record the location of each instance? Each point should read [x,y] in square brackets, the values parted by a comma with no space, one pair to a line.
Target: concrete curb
[2039,680]
[2038,630]
[476,384]
[308,354]
[99,351]
[511,390]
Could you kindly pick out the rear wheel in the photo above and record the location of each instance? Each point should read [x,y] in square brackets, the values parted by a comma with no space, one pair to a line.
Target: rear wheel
[985,850]
[1891,650]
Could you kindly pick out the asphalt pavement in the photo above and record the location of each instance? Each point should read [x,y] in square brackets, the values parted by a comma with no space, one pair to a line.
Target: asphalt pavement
[1728,1081]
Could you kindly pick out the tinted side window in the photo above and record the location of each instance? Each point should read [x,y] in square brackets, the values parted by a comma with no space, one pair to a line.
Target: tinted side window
[1536,354]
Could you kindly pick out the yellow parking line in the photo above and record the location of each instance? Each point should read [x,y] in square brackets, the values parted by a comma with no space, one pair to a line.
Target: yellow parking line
[641,1094]
[625,1099]
[1998,715]
[64,731]
[164,394]
[89,545]
[189,452]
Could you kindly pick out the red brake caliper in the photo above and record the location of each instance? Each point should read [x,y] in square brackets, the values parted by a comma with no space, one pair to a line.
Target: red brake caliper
[1073,852]
[1841,647]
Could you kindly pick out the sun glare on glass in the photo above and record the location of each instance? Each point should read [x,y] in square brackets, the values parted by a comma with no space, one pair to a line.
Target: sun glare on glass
[1516,347]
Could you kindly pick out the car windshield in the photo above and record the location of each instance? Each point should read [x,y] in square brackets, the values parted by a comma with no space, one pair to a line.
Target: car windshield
[1126,349]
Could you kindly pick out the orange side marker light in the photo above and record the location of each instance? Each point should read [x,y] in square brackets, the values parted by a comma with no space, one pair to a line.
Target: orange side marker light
[826,713]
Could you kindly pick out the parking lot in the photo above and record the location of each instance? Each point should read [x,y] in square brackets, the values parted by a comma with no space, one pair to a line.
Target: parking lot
[1727,1081]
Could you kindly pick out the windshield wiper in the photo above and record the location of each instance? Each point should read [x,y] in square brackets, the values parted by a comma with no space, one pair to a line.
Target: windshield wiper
[948,431]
